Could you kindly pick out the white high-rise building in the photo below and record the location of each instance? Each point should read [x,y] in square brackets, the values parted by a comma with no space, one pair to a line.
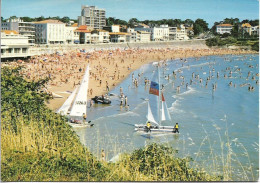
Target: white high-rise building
[92,17]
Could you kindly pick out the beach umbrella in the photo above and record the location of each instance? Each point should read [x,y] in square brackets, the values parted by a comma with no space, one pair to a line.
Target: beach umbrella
[19,61]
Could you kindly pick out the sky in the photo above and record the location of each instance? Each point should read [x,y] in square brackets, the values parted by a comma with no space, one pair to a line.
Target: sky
[209,10]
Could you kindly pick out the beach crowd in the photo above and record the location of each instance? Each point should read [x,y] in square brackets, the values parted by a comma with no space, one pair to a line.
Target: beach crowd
[107,67]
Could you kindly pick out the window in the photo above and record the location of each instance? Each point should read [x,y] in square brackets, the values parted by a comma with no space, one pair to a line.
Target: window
[16,50]
[24,50]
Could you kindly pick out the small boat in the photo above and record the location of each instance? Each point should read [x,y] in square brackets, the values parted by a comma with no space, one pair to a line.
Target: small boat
[101,99]
[157,109]
[76,104]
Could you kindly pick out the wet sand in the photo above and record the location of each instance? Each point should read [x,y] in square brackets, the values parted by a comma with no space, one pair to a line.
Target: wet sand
[107,67]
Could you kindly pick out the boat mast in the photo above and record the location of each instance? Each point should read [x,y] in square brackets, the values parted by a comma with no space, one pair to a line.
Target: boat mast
[159,94]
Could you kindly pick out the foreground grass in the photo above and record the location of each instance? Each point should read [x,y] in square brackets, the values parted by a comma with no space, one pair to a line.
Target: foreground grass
[38,145]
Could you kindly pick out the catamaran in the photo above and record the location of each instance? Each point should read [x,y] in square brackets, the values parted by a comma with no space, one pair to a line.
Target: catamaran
[76,104]
[157,109]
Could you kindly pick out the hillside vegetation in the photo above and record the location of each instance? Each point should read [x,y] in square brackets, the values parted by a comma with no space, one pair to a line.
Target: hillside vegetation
[232,41]
[38,145]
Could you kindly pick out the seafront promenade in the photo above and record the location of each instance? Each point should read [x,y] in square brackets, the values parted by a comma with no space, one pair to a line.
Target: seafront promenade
[49,49]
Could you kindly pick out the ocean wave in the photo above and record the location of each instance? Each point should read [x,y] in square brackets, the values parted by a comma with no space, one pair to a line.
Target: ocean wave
[129,113]
[203,64]
[189,91]
[174,107]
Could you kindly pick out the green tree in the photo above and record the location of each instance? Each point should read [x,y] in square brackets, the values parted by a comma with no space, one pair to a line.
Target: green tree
[177,22]
[2,19]
[254,22]
[27,19]
[188,22]
[120,22]
[65,19]
[132,22]
[110,21]
[231,21]
[12,17]
[41,18]
[245,21]
[200,26]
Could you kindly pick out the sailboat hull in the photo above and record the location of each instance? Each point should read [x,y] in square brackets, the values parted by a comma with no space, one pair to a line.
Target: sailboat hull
[142,127]
[80,125]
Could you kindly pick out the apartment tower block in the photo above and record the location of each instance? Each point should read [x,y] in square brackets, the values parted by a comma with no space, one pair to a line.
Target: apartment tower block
[93,17]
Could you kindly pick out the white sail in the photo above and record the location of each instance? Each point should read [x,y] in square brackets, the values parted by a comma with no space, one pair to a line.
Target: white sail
[63,110]
[165,115]
[80,103]
[150,117]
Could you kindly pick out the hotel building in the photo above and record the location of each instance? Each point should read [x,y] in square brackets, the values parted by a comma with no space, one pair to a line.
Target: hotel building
[50,32]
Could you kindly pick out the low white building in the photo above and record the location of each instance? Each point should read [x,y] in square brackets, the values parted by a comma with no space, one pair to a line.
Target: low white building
[172,33]
[71,35]
[160,33]
[103,35]
[255,30]
[13,44]
[181,33]
[224,28]
[115,28]
[50,32]
[138,36]
[143,36]
[119,37]
[133,35]
[84,34]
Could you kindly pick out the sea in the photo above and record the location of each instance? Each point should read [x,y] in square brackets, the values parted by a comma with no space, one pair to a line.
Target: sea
[218,121]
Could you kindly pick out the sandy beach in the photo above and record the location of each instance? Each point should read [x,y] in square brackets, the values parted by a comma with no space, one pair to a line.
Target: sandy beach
[107,67]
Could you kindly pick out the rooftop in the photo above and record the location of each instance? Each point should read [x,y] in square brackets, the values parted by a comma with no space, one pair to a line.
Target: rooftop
[101,30]
[49,21]
[225,25]
[118,33]
[83,28]
[246,25]
[9,32]
[74,25]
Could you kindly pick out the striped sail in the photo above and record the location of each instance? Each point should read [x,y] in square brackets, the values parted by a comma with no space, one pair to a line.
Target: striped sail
[165,115]
[80,103]
[153,105]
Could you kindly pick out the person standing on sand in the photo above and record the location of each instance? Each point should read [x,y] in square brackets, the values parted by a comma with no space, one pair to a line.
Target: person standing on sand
[125,100]
[84,117]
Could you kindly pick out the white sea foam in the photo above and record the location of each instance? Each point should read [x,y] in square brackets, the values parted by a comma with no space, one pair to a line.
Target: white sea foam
[189,91]
[174,107]
[129,113]
[203,64]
